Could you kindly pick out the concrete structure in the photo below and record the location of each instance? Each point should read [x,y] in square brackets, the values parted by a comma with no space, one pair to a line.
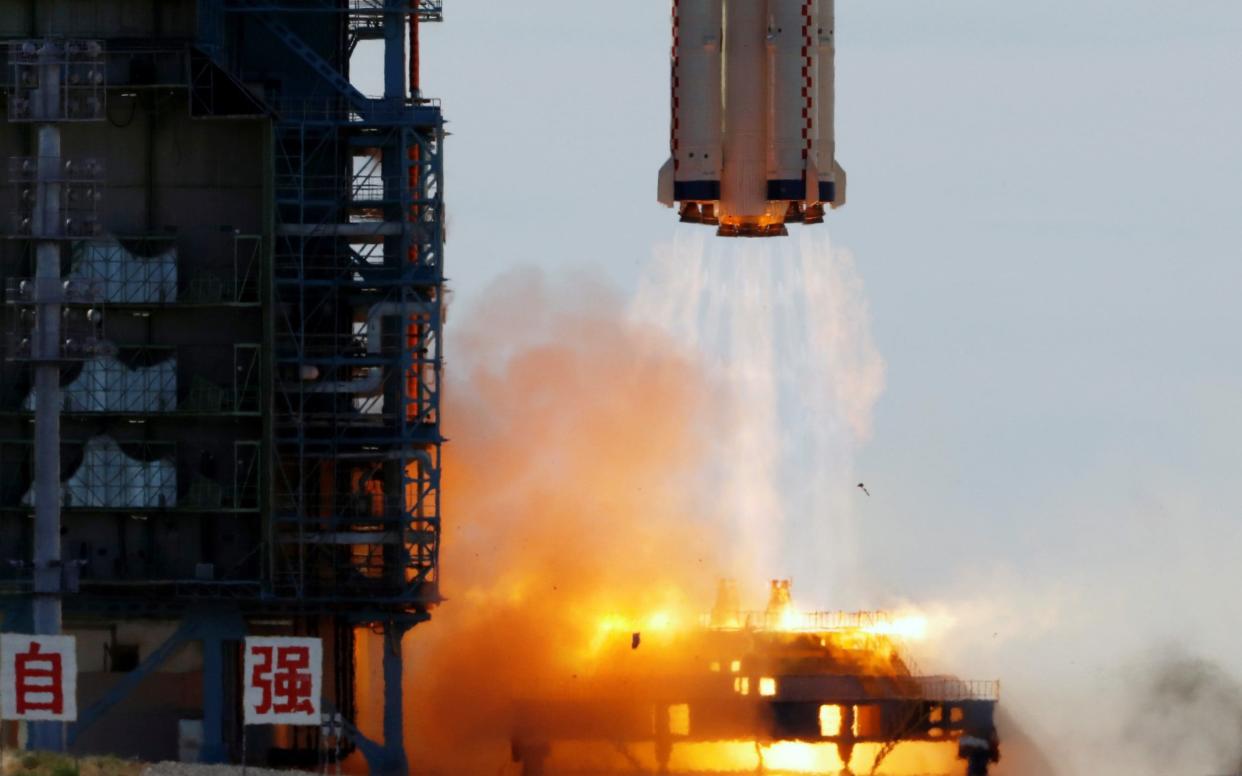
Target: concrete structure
[223,275]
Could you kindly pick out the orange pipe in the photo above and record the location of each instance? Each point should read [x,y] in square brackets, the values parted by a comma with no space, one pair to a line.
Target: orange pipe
[327,488]
[414,335]
[414,53]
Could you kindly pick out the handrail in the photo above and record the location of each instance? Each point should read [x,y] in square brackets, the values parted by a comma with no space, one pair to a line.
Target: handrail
[817,622]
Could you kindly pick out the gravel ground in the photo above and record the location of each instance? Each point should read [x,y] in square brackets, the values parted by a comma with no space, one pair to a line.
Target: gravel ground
[189,769]
[44,764]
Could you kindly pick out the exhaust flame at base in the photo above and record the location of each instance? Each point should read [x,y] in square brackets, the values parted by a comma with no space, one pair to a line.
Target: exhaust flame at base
[743,758]
[797,692]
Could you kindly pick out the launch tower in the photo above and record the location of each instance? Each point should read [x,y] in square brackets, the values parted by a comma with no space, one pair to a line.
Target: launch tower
[219,404]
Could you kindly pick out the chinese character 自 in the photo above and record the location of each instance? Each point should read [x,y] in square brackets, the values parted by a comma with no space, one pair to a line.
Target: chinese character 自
[39,681]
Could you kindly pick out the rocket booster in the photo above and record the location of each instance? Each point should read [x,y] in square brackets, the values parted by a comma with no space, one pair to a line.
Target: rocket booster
[753,126]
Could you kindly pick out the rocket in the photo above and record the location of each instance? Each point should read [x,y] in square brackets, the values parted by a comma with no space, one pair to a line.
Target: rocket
[753,126]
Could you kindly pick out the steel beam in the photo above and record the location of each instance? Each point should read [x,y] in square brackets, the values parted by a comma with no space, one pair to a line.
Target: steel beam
[48,226]
[394,49]
[214,749]
[394,760]
[213,629]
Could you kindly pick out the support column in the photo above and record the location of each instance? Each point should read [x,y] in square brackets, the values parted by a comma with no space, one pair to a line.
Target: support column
[531,757]
[394,48]
[845,740]
[663,739]
[214,750]
[210,25]
[45,351]
[394,761]
[209,627]
[979,745]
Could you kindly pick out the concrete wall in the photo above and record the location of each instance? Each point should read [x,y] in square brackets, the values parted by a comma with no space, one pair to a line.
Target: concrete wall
[93,642]
[144,724]
[196,183]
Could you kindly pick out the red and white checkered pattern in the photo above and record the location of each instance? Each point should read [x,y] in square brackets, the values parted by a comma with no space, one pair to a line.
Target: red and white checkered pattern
[808,76]
[676,79]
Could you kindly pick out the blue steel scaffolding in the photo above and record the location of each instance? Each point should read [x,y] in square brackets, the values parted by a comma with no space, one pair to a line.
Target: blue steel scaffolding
[338,393]
[356,319]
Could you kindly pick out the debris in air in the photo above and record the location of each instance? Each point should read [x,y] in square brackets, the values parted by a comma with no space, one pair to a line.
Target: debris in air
[635,640]
[863,488]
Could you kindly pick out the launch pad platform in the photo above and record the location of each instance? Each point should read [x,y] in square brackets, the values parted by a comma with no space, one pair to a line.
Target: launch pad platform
[766,678]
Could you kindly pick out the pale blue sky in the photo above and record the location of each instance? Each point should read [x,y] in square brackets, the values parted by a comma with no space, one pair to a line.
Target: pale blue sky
[1044,207]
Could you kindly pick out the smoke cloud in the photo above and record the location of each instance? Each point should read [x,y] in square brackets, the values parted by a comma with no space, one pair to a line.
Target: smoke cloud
[575,489]
[613,458]
[1187,716]
[609,460]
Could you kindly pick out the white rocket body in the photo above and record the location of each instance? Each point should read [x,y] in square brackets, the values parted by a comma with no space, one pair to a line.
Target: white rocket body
[697,99]
[794,61]
[831,175]
[753,142]
[744,188]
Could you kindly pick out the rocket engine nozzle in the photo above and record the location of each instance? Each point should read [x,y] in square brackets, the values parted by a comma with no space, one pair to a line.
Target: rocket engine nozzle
[753,115]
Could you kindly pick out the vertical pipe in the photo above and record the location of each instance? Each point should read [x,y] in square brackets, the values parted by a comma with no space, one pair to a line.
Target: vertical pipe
[415,44]
[152,120]
[394,49]
[46,354]
[395,762]
[327,495]
[414,334]
[744,184]
[213,750]
[411,496]
[394,166]
[399,83]
[267,493]
[47,389]
[210,25]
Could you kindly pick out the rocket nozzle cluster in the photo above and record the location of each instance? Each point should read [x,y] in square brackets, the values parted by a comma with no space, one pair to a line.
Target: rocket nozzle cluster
[753,136]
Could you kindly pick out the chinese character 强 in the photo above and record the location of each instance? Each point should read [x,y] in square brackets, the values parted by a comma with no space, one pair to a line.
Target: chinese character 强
[39,681]
[283,677]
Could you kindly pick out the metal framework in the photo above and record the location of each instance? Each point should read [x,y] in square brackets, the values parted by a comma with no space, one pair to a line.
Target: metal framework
[356,314]
[776,675]
[144,270]
[355,318]
[358,284]
[766,686]
[320,422]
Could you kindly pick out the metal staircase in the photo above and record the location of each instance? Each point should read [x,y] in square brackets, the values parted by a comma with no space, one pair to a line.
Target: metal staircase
[326,71]
[358,279]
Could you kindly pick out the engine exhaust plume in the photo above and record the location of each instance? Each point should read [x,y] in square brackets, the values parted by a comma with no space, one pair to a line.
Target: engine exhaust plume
[573,478]
[783,328]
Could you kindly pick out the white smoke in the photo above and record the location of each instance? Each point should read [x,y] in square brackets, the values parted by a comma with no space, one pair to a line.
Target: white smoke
[784,328]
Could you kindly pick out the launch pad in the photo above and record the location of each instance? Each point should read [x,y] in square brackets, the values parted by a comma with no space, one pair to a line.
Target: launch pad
[772,677]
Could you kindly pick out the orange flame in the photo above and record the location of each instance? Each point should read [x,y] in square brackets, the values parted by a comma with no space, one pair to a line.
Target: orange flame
[574,550]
